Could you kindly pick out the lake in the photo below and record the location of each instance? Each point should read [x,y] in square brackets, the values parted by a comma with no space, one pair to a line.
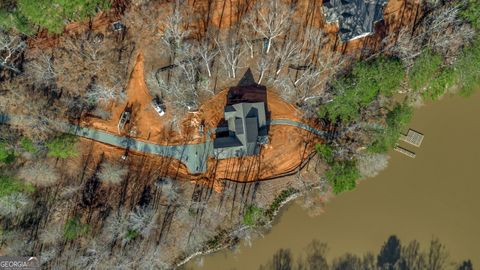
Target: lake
[435,194]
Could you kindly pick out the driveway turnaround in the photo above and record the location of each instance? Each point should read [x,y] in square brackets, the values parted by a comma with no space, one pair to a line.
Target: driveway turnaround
[194,156]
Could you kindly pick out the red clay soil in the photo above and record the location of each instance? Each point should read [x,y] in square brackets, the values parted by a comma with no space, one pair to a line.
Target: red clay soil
[151,127]
[288,146]
[146,124]
[287,149]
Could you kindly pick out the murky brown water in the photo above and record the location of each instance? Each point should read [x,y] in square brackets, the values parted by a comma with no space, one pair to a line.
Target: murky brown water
[436,194]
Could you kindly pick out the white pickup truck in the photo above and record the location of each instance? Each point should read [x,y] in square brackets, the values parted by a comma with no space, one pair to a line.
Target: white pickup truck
[158,106]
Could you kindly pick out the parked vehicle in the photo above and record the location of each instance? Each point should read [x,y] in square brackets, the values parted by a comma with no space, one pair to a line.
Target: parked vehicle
[159,106]
[118,26]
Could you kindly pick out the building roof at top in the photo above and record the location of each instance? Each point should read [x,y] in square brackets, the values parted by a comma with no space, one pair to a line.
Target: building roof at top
[355,18]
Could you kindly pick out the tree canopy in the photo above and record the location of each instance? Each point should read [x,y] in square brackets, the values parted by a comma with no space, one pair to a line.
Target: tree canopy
[24,15]
[9,185]
[397,119]
[424,69]
[62,146]
[342,175]
[367,80]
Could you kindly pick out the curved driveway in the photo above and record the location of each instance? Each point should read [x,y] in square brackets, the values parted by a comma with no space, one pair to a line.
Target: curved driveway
[194,156]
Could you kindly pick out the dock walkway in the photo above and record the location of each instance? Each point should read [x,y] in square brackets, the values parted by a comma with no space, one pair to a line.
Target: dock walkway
[404,151]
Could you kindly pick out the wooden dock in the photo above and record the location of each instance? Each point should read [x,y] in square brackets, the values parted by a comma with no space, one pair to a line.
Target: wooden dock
[413,137]
[404,151]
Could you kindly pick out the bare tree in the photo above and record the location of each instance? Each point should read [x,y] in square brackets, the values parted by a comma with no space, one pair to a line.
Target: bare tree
[437,256]
[287,54]
[272,19]
[442,29]
[11,47]
[231,52]
[263,64]
[50,235]
[143,220]
[48,254]
[175,31]
[14,204]
[104,94]
[204,50]
[40,173]
[310,84]
[116,226]
[285,88]
[43,69]
[112,172]
[170,190]
[180,93]
[412,257]
[370,165]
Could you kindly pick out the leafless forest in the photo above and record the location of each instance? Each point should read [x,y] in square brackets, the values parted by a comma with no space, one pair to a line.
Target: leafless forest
[93,209]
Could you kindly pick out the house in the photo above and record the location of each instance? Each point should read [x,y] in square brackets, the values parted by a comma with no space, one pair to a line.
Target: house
[355,18]
[247,129]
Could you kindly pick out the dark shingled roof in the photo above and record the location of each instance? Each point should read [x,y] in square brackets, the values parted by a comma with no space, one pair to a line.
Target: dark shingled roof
[246,121]
[355,18]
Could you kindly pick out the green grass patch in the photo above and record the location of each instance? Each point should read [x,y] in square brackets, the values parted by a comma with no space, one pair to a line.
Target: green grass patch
[424,70]
[471,13]
[252,215]
[74,229]
[62,146]
[28,145]
[9,185]
[467,69]
[439,84]
[25,15]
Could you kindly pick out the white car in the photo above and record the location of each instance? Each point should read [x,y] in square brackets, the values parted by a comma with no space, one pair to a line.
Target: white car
[158,106]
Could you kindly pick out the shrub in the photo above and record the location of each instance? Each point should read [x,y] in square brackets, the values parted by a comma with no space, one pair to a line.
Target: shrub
[424,69]
[27,145]
[62,146]
[325,152]
[471,13]
[278,201]
[7,155]
[9,185]
[131,235]
[397,119]
[467,69]
[74,229]
[342,175]
[252,215]
[379,76]
[439,84]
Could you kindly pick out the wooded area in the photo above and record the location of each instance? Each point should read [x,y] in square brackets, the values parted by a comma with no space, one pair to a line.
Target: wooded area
[82,204]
